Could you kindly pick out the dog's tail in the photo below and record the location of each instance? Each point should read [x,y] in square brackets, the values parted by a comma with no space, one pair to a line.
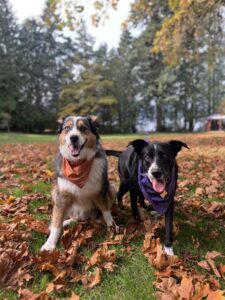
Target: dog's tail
[115,153]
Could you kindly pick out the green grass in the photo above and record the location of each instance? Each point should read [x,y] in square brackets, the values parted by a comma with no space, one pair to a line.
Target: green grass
[11,295]
[133,278]
[42,187]
[15,138]
[16,192]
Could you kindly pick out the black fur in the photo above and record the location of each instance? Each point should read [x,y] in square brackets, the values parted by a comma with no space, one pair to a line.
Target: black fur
[163,156]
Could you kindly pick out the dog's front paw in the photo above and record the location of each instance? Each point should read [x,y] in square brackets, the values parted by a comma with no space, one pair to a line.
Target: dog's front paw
[114,228]
[169,250]
[48,246]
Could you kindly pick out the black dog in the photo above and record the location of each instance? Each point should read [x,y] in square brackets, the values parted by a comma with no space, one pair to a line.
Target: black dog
[148,170]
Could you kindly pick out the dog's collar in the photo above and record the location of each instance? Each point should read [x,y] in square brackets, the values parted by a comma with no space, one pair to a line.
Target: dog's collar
[77,172]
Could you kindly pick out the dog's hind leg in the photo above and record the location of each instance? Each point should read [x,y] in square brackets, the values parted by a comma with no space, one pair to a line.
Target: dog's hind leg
[133,200]
[123,189]
[68,222]
[169,230]
[104,206]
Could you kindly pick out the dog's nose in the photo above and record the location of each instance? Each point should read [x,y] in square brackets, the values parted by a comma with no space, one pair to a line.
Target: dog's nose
[74,139]
[157,174]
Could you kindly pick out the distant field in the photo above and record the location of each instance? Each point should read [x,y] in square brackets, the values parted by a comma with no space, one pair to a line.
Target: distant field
[14,138]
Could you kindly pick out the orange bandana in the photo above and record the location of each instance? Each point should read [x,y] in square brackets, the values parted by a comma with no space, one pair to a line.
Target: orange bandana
[77,173]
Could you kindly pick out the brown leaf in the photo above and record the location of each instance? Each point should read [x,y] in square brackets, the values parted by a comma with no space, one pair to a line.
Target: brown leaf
[186,288]
[74,297]
[50,288]
[165,284]
[50,267]
[195,242]
[46,256]
[102,254]
[203,264]
[222,270]
[199,191]
[15,267]
[95,280]
[216,295]
[213,267]
[212,254]
[26,294]
[201,291]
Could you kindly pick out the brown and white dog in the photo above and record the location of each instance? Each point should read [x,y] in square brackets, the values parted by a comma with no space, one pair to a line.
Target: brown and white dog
[82,189]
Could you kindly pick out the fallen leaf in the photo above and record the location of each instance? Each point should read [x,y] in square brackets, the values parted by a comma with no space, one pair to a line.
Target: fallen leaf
[213,267]
[203,264]
[186,288]
[74,297]
[216,295]
[96,279]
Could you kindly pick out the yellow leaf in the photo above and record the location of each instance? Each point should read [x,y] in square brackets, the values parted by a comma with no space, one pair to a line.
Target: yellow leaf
[49,173]
[11,198]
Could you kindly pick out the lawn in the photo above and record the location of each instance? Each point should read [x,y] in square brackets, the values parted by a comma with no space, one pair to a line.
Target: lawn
[122,272]
[14,138]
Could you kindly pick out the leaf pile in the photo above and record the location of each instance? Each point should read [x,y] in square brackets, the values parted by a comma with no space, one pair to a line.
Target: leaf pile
[174,280]
[86,251]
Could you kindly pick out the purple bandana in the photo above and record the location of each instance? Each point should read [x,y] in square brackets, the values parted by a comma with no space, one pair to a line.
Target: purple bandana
[159,204]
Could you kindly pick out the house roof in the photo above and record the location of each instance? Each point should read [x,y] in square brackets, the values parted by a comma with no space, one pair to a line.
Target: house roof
[216,117]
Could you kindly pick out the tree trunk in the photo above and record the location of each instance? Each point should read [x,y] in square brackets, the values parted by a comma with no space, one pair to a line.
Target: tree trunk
[159,123]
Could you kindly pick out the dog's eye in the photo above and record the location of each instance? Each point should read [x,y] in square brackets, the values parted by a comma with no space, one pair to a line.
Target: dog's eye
[83,129]
[67,128]
[147,158]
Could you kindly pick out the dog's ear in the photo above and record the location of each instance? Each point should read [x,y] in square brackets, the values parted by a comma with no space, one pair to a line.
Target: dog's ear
[94,121]
[176,146]
[138,145]
[60,122]
[94,125]
[60,125]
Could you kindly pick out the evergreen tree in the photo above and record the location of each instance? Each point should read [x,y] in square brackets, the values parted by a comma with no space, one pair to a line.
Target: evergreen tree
[91,90]
[9,64]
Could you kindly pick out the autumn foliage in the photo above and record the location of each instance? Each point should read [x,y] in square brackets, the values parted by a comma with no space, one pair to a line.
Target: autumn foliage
[200,196]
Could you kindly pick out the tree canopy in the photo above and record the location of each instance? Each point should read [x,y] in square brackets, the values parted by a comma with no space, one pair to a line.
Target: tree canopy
[167,72]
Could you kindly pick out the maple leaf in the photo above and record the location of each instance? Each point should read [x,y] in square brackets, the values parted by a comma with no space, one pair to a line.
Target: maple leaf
[26,294]
[199,191]
[201,291]
[73,297]
[103,254]
[186,288]
[203,264]
[166,295]
[212,254]
[15,267]
[213,267]
[95,279]
[222,270]
[216,295]
[46,257]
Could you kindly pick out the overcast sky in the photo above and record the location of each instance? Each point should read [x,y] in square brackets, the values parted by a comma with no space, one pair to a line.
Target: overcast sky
[109,33]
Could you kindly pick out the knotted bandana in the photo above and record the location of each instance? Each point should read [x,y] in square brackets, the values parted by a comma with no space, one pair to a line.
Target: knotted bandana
[159,203]
[78,172]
